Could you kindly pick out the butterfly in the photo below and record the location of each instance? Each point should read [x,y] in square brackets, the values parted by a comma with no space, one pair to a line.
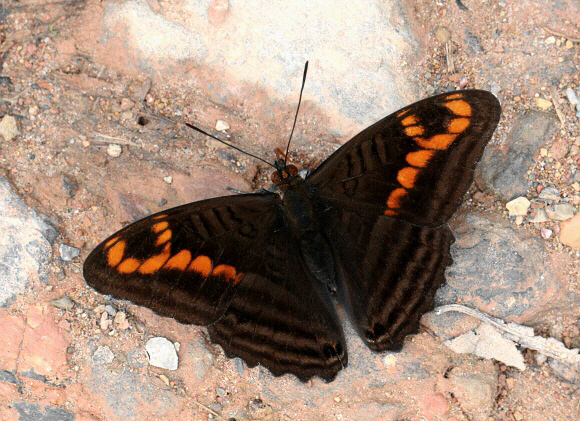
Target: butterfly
[367,229]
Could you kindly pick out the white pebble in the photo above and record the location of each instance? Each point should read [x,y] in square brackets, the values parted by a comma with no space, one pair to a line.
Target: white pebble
[114,150]
[161,353]
[222,126]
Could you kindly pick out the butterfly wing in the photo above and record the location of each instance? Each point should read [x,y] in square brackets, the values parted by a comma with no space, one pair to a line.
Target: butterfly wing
[415,164]
[389,192]
[230,264]
[390,271]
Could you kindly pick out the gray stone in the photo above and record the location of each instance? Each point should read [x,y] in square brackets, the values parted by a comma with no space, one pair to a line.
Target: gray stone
[560,212]
[64,303]
[103,355]
[497,268]
[504,173]
[67,253]
[25,245]
[550,194]
[32,412]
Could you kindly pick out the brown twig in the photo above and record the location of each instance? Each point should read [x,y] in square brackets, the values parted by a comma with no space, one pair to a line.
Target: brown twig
[560,34]
[556,107]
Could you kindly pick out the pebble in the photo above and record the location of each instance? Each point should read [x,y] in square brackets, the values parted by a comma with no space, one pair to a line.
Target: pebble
[161,353]
[111,311]
[64,303]
[550,194]
[103,355]
[222,126]
[550,40]
[546,233]
[442,34]
[542,103]
[114,150]
[168,179]
[518,206]
[560,212]
[67,253]
[571,95]
[539,217]
[9,128]
[126,104]
[120,318]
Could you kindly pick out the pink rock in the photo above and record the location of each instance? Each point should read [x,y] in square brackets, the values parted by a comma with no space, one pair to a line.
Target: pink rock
[12,333]
[218,9]
[434,406]
[44,345]
[570,232]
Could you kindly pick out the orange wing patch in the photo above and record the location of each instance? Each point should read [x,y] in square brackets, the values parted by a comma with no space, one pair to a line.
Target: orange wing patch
[459,107]
[154,263]
[420,158]
[228,272]
[179,261]
[201,265]
[115,253]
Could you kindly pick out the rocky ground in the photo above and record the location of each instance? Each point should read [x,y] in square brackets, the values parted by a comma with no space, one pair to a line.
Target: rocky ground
[92,138]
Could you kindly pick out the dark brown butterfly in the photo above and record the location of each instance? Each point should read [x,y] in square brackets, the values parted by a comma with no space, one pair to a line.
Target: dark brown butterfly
[367,227]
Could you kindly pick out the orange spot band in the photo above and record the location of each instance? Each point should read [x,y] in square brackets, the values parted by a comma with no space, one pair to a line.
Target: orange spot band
[129,265]
[420,158]
[394,200]
[439,141]
[154,263]
[458,125]
[407,176]
[201,265]
[115,253]
[179,261]
[459,107]
[163,238]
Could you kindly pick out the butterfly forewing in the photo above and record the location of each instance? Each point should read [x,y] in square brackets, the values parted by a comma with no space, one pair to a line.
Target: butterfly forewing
[228,263]
[415,164]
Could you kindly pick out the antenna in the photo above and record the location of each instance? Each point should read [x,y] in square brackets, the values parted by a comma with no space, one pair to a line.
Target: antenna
[191,126]
[297,109]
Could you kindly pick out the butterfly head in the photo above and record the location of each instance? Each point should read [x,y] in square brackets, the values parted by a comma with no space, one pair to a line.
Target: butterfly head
[284,172]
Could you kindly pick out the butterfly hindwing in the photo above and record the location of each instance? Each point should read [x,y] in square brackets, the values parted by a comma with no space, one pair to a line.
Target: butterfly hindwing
[415,164]
[228,263]
[390,272]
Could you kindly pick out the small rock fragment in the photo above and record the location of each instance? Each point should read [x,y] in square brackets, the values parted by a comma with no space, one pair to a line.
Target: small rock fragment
[546,233]
[550,194]
[161,353]
[67,253]
[103,355]
[218,9]
[571,95]
[518,206]
[542,103]
[114,150]
[9,128]
[539,216]
[64,303]
[222,126]
[560,212]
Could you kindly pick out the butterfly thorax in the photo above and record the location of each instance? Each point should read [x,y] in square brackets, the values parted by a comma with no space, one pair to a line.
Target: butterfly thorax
[302,211]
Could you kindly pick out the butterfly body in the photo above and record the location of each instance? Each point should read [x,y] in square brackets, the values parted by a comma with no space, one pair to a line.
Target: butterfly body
[367,228]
